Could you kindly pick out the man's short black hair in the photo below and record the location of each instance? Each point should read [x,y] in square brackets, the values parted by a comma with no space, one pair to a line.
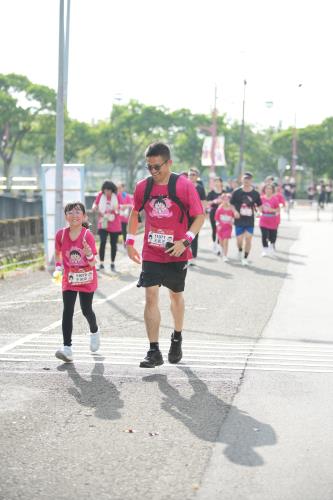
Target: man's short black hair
[158,149]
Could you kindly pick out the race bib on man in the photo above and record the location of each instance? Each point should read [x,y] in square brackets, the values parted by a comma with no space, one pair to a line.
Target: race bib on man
[246,211]
[159,237]
[80,276]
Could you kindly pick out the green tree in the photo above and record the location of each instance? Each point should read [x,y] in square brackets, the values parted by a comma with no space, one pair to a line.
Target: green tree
[124,138]
[20,103]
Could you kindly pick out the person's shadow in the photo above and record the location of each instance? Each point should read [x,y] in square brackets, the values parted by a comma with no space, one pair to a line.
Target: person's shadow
[204,413]
[98,393]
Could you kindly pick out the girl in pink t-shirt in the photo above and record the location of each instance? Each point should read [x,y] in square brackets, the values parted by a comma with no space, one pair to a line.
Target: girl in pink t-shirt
[75,252]
[269,220]
[224,217]
[109,222]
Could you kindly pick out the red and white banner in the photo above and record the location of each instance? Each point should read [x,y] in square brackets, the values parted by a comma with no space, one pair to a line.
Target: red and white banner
[206,157]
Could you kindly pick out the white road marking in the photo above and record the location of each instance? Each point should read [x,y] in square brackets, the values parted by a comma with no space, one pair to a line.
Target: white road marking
[11,346]
[54,325]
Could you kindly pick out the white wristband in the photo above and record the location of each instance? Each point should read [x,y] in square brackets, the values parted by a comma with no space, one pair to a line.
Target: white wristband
[130,237]
[190,234]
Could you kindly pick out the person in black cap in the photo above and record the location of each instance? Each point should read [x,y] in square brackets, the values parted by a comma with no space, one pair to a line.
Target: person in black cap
[245,200]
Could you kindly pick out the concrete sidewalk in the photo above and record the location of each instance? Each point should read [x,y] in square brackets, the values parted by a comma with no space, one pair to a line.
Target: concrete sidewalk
[289,454]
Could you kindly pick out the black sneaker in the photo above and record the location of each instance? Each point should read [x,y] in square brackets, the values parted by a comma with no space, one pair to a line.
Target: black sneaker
[100,267]
[153,358]
[113,268]
[175,352]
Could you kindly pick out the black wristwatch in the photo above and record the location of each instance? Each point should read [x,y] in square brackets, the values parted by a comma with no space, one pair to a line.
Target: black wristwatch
[186,243]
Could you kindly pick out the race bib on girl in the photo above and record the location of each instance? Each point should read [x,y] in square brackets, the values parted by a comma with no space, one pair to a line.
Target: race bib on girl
[159,237]
[226,219]
[80,276]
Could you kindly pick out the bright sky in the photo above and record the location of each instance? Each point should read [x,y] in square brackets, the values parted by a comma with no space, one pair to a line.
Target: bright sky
[174,52]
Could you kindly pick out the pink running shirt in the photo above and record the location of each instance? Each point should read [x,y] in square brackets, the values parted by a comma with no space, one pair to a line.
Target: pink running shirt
[78,275]
[268,219]
[114,225]
[124,200]
[162,218]
[224,219]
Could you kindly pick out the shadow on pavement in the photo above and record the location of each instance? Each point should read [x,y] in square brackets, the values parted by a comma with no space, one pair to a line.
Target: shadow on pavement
[204,414]
[211,272]
[98,393]
[260,270]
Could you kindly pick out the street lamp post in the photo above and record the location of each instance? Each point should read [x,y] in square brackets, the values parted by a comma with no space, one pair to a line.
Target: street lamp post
[60,125]
[60,118]
[294,154]
[241,144]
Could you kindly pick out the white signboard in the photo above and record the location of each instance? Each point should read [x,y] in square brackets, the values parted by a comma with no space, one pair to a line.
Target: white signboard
[73,190]
[206,157]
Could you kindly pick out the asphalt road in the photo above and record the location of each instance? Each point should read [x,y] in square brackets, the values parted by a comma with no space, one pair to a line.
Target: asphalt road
[244,411]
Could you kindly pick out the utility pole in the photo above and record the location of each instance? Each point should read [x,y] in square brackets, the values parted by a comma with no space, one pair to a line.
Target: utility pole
[61,103]
[241,144]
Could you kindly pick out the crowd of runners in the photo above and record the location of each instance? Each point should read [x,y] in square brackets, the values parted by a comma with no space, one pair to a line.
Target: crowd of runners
[173,208]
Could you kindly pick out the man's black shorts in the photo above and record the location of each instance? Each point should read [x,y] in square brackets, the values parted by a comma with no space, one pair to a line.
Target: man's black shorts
[169,274]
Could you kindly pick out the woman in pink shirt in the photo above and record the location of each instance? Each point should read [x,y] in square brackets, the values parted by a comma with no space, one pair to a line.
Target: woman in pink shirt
[125,201]
[269,220]
[109,222]
[75,252]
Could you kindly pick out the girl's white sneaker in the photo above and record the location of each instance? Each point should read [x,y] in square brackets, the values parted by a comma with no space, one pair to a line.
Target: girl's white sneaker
[64,353]
[225,259]
[95,341]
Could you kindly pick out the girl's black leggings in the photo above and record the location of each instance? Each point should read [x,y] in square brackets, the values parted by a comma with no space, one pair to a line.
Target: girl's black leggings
[268,235]
[103,234]
[213,224]
[69,299]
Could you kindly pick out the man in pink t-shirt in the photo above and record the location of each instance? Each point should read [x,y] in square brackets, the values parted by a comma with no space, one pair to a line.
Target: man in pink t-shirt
[166,247]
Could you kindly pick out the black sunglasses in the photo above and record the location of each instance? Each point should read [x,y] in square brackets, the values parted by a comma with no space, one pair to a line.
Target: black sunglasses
[155,167]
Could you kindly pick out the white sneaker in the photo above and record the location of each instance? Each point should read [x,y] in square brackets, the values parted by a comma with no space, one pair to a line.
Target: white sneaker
[95,341]
[245,262]
[216,248]
[192,262]
[240,256]
[225,258]
[64,353]
[264,253]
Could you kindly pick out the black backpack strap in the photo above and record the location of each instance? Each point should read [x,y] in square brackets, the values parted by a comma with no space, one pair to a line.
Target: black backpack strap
[173,196]
[148,188]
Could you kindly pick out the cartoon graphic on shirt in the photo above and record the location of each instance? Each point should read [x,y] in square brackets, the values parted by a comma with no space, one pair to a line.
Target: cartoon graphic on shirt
[75,257]
[160,207]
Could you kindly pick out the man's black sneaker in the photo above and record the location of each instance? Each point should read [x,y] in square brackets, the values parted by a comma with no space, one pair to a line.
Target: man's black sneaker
[153,358]
[175,352]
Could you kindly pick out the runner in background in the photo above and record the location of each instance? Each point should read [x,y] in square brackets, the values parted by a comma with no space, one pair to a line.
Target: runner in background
[75,252]
[269,219]
[213,201]
[109,223]
[125,201]
[224,218]
[245,201]
[193,176]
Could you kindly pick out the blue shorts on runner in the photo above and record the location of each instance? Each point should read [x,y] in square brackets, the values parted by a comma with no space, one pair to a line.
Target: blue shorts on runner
[239,230]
